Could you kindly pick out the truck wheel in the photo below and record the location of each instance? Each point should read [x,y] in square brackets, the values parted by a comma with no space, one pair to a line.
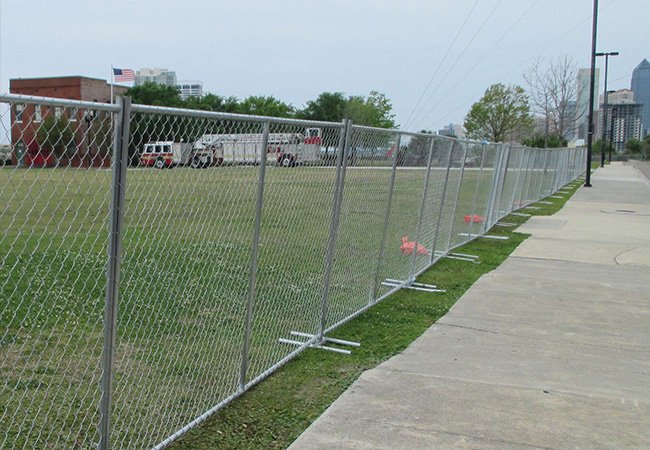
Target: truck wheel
[218,162]
[287,161]
[160,163]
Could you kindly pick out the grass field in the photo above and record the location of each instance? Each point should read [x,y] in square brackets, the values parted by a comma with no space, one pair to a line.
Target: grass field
[274,413]
[184,283]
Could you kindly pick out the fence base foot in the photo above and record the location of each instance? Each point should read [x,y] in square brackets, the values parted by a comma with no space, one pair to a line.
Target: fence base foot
[545,203]
[506,224]
[518,214]
[556,196]
[318,346]
[533,207]
[389,282]
[327,339]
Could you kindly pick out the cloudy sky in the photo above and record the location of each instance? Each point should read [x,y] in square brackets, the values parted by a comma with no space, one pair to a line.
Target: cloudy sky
[296,49]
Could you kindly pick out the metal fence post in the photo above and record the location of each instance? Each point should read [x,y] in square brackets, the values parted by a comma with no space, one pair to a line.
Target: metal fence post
[120,161]
[422,206]
[341,166]
[470,224]
[255,255]
[380,259]
[442,202]
[460,186]
[497,186]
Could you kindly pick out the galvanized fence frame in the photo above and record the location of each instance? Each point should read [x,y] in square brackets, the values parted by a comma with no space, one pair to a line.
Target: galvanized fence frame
[418,167]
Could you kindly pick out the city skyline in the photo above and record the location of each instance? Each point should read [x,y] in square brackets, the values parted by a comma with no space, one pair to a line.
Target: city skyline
[252,49]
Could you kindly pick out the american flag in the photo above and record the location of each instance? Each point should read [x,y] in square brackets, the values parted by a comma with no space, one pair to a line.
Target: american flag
[123,75]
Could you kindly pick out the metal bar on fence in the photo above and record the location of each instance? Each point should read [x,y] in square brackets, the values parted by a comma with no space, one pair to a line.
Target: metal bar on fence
[460,184]
[497,184]
[470,224]
[118,187]
[341,165]
[254,258]
[442,202]
[380,259]
[421,215]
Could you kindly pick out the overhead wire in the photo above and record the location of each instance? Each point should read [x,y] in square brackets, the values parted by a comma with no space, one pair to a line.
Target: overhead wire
[536,55]
[480,28]
[442,61]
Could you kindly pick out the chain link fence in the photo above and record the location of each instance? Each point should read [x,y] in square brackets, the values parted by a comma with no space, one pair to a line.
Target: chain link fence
[155,263]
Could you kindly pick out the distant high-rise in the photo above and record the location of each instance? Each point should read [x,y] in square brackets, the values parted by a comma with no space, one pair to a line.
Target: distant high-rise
[188,89]
[159,76]
[623,119]
[582,101]
[641,88]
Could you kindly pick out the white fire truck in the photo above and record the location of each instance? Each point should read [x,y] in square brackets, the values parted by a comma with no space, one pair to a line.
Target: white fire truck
[165,154]
[286,149]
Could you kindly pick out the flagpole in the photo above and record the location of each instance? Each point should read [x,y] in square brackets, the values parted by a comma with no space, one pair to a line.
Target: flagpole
[112,84]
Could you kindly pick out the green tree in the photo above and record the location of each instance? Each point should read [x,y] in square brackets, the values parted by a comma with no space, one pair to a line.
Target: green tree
[328,107]
[212,102]
[265,106]
[155,94]
[54,135]
[633,147]
[375,110]
[502,112]
[539,140]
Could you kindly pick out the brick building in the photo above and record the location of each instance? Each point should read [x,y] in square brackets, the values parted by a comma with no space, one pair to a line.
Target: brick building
[83,148]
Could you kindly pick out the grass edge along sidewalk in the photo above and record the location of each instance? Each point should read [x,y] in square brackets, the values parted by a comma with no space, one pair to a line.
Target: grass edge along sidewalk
[274,413]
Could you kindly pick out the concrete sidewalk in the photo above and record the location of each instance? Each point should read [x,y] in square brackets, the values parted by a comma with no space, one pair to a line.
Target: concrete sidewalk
[551,350]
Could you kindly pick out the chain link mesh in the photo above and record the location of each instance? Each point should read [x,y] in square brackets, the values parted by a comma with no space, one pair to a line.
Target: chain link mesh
[244,239]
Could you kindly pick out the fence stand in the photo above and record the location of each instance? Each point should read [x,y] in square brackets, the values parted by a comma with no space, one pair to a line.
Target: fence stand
[341,166]
[442,203]
[255,256]
[423,203]
[374,290]
[120,161]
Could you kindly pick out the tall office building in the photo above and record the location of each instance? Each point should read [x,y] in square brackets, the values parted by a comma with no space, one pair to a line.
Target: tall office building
[641,88]
[623,119]
[188,89]
[159,76]
[582,102]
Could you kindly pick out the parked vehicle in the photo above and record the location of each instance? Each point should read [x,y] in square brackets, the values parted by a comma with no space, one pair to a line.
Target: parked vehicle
[166,154]
[288,149]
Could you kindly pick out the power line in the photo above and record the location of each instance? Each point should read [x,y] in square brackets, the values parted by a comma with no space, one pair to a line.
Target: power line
[480,60]
[571,30]
[444,58]
[459,58]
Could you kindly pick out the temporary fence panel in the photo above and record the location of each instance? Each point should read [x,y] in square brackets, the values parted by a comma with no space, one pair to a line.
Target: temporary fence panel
[158,262]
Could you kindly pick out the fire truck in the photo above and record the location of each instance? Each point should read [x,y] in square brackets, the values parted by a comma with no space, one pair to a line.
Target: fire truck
[287,149]
[164,154]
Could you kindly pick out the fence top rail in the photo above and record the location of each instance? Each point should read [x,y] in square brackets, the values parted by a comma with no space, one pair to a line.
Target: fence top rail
[36,100]
[230,116]
[402,132]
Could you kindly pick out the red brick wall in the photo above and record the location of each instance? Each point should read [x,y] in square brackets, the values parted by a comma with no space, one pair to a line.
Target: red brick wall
[70,88]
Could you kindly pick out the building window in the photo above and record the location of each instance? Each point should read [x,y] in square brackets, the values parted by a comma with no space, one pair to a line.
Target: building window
[38,114]
[18,111]
[57,112]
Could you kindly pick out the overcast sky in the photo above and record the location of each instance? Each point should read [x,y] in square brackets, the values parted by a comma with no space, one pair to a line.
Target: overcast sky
[296,49]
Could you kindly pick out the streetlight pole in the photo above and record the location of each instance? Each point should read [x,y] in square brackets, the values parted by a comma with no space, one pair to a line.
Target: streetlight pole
[611,133]
[592,91]
[605,95]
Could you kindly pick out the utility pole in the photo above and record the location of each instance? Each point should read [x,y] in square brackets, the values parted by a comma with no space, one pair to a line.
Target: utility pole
[592,91]
[605,99]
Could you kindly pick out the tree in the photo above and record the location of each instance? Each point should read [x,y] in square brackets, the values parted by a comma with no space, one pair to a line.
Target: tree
[539,140]
[328,107]
[54,135]
[265,106]
[552,89]
[373,111]
[155,94]
[212,102]
[633,147]
[501,112]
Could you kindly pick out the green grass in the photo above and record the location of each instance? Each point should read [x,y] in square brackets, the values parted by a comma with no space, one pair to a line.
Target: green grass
[184,284]
[275,412]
